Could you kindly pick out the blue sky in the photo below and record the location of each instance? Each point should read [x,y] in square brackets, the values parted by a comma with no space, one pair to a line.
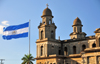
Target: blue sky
[14,12]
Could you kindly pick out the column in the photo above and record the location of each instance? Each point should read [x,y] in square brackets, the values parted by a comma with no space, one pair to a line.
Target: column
[86,60]
[37,51]
[96,60]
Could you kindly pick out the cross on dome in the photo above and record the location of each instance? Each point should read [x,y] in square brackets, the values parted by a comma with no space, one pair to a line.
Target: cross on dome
[47,5]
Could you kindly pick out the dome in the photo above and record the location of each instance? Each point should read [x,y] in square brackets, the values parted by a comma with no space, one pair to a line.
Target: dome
[77,21]
[47,12]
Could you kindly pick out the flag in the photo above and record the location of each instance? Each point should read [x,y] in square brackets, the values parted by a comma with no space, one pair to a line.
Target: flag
[16,31]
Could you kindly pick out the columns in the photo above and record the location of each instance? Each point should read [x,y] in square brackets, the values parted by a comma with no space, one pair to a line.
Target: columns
[97,41]
[37,51]
[96,60]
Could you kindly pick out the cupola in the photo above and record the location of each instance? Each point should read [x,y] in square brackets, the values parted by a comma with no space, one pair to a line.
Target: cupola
[47,12]
[77,21]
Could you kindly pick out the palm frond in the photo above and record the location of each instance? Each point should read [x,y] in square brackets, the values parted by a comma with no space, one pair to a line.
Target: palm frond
[27,58]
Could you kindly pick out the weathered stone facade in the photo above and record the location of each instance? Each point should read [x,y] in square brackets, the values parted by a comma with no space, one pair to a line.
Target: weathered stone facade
[80,49]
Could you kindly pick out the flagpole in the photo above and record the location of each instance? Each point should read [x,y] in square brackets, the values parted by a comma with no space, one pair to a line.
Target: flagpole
[29,37]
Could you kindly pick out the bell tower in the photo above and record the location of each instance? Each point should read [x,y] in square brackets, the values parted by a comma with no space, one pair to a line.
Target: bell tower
[47,31]
[47,27]
[77,30]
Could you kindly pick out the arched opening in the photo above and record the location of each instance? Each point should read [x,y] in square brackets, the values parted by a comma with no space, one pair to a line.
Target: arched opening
[65,51]
[43,22]
[59,52]
[99,42]
[74,49]
[52,34]
[93,45]
[41,34]
[76,63]
[52,47]
[74,29]
[49,21]
[41,50]
[80,29]
[83,47]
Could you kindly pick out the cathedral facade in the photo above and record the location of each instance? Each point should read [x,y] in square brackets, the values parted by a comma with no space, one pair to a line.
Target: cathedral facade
[79,49]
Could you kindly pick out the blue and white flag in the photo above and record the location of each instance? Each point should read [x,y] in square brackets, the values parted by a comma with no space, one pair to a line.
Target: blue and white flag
[17,31]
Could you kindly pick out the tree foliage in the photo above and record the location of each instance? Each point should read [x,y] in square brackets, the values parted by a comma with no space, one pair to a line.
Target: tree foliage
[28,59]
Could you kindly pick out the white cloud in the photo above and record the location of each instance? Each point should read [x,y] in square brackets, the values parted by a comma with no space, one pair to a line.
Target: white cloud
[5,23]
[1,29]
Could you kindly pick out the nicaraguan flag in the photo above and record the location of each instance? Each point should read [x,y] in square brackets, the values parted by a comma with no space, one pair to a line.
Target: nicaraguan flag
[16,31]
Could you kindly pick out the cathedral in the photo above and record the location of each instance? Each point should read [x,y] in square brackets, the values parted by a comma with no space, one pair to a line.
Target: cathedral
[79,49]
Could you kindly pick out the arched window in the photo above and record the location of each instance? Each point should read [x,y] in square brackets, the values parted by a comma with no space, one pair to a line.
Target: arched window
[41,34]
[83,47]
[49,21]
[52,47]
[93,45]
[65,51]
[77,63]
[74,29]
[74,49]
[80,29]
[43,22]
[59,52]
[41,50]
[52,34]
[99,42]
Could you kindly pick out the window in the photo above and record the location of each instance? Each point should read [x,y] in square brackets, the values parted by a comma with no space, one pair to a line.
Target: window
[74,49]
[41,34]
[83,47]
[80,29]
[74,29]
[76,63]
[43,22]
[99,42]
[52,34]
[41,50]
[59,52]
[93,45]
[65,51]
[52,47]
[49,21]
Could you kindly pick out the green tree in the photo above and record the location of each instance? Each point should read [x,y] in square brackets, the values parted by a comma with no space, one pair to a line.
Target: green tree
[28,59]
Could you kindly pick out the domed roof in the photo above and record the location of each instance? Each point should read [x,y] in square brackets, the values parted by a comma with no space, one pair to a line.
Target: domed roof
[47,12]
[77,21]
